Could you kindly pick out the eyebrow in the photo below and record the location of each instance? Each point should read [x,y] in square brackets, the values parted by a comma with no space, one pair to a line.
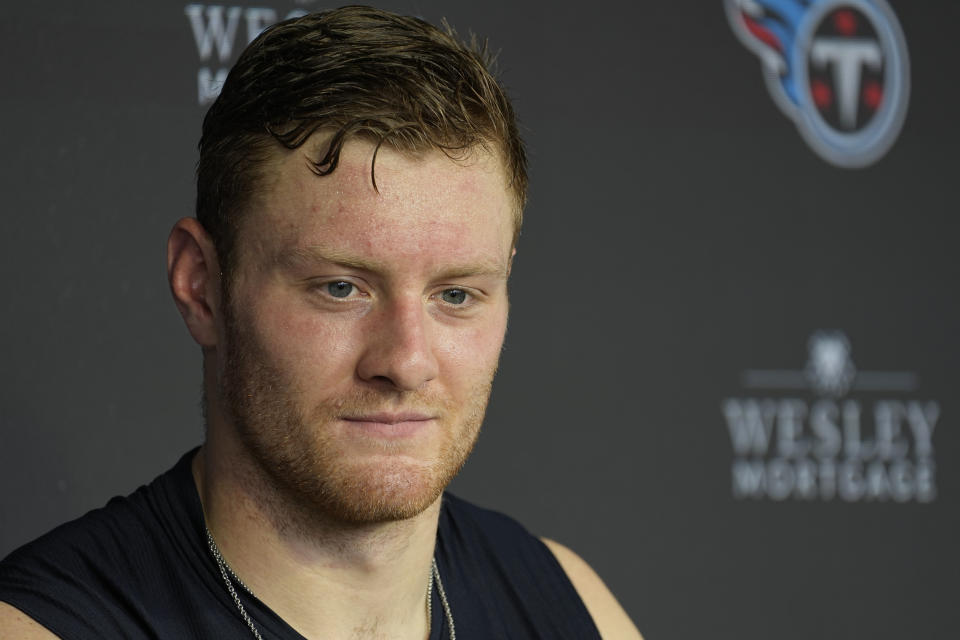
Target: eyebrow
[310,255]
[301,256]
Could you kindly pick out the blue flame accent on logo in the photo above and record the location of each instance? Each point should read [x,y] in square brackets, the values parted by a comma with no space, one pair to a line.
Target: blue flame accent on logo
[782,33]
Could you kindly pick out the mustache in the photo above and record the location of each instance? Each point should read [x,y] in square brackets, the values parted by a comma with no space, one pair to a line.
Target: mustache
[371,402]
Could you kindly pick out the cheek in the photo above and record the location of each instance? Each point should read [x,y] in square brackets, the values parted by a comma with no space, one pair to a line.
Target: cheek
[312,349]
[468,354]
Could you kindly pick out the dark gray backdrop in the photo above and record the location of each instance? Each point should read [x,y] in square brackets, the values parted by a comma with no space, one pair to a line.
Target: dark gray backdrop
[679,233]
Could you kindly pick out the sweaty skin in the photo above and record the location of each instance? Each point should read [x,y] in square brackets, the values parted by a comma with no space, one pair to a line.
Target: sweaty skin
[352,310]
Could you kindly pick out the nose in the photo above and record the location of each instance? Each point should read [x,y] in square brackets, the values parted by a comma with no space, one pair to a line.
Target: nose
[398,349]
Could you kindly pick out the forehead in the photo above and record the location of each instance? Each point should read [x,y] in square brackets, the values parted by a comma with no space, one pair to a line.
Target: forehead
[421,204]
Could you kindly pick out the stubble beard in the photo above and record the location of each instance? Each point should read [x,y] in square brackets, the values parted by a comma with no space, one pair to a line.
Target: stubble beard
[295,449]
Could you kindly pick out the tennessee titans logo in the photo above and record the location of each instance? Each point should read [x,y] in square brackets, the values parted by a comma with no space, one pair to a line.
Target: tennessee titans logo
[837,68]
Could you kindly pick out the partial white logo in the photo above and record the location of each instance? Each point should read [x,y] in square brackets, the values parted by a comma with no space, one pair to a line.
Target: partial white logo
[830,368]
[220,34]
[832,431]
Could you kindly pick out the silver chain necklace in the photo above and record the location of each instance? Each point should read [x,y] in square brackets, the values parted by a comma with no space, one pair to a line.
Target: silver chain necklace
[228,573]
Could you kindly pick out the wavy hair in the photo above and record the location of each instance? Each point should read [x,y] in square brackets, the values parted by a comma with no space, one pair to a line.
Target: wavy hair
[356,71]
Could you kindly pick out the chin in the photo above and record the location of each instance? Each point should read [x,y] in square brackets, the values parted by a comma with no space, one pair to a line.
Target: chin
[390,491]
[325,482]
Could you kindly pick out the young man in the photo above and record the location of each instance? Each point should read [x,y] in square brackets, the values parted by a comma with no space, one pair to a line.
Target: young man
[360,191]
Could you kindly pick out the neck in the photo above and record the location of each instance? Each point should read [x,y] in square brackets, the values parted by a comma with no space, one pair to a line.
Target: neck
[325,578]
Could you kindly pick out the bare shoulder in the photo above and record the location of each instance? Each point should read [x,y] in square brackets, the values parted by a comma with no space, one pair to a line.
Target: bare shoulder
[16,624]
[610,618]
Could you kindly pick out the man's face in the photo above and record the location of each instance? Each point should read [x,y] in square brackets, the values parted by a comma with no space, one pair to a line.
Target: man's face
[363,329]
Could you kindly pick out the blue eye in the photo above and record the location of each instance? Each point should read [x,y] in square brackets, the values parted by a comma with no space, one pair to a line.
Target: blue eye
[454,296]
[339,289]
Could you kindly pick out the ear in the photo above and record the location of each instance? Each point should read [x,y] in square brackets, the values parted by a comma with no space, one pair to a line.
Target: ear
[194,276]
[513,252]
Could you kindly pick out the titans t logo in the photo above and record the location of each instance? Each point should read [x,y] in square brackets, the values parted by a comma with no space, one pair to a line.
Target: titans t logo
[837,68]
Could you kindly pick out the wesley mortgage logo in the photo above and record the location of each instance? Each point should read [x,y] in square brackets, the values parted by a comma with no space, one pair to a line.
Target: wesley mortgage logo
[220,33]
[829,431]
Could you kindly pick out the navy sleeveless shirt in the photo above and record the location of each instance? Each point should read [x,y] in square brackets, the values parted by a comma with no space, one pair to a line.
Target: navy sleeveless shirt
[139,568]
